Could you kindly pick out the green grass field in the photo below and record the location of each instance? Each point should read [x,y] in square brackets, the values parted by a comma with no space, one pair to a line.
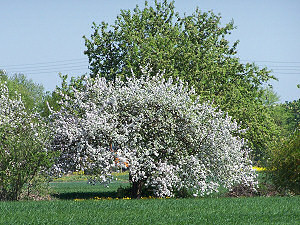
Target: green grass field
[76,187]
[258,210]
[75,203]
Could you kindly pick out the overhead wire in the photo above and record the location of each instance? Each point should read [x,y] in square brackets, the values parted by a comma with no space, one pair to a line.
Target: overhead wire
[279,67]
[284,62]
[43,63]
[52,68]
[81,64]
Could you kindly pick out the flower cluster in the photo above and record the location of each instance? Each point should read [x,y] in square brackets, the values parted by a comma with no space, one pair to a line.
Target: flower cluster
[259,169]
[166,137]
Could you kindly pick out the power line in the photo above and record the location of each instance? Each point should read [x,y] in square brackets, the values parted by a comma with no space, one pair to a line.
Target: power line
[243,60]
[287,69]
[50,71]
[44,63]
[50,68]
[46,66]
[287,73]
[54,71]
[82,64]
[281,66]
[86,71]
[85,60]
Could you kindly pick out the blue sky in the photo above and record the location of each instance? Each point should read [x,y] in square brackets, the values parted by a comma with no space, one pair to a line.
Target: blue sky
[42,38]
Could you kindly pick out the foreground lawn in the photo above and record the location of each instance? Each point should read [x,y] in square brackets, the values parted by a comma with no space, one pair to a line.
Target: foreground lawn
[77,202]
[258,210]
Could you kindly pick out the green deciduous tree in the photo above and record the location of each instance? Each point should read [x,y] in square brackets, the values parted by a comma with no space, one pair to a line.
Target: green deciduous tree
[284,163]
[32,93]
[51,99]
[193,48]
[293,108]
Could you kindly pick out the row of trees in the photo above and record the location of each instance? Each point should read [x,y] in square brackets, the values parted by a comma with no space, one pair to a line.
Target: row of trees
[173,144]
[132,95]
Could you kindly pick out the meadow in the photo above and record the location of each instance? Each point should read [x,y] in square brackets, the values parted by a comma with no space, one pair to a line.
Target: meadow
[77,202]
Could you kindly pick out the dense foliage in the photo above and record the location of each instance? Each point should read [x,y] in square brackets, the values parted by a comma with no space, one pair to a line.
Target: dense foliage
[284,163]
[23,145]
[169,137]
[193,48]
[293,108]
[32,94]
[169,142]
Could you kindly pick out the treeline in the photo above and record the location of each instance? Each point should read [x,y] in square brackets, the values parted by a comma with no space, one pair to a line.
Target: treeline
[194,49]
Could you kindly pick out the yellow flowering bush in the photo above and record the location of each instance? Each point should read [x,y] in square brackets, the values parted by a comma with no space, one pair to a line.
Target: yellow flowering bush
[259,169]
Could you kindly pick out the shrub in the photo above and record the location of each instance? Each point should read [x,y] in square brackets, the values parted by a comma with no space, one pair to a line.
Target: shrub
[284,164]
[23,142]
[169,140]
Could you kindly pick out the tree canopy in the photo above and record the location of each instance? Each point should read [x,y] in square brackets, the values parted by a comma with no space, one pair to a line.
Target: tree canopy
[169,142]
[18,84]
[193,48]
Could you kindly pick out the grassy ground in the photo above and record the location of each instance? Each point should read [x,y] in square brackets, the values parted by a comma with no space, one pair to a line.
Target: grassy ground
[76,202]
[77,187]
[258,210]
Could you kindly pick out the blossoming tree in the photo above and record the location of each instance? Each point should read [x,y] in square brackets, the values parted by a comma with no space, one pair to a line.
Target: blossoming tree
[167,138]
[24,151]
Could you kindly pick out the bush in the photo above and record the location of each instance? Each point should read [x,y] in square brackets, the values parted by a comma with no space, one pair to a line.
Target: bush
[23,140]
[170,142]
[284,164]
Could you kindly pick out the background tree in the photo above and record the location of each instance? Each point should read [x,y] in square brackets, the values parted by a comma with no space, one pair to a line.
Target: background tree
[284,158]
[277,111]
[193,48]
[286,115]
[32,93]
[51,99]
[293,108]
[170,142]
[284,163]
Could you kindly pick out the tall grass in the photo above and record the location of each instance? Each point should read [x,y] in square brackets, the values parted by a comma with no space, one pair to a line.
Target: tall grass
[76,202]
[258,210]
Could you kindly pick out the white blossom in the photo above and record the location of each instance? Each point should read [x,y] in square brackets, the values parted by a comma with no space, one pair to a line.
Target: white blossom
[168,140]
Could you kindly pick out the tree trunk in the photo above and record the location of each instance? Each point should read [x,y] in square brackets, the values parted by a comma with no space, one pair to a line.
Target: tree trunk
[136,190]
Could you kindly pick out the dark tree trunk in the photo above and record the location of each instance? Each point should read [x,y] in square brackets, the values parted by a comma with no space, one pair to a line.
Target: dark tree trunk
[136,189]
